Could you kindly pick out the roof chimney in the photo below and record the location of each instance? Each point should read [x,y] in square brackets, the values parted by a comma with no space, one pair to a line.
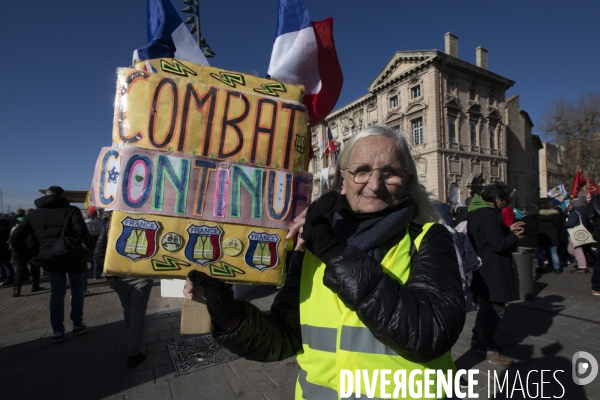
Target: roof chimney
[451,44]
[481,57]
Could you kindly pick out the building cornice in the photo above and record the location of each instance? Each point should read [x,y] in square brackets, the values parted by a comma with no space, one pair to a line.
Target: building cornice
[350,106]
[427,58]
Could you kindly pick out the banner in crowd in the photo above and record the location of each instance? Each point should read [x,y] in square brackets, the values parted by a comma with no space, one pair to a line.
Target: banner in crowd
[557,191]
[152,245]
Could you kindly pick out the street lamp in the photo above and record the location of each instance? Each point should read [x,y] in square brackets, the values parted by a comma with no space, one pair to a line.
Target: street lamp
[193,7]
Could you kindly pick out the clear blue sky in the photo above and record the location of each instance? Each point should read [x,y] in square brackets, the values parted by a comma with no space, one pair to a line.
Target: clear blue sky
[57,75]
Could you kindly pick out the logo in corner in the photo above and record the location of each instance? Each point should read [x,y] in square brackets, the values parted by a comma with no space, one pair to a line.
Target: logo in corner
[580,368]
[262,250]
[138,239]
[204,244]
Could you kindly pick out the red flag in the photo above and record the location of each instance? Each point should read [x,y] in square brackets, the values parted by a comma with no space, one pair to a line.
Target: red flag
[578,182]
[330,143]
[592,189]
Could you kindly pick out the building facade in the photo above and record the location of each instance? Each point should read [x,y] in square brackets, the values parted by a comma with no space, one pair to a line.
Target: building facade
[523,149]
[452,113]
[551,173]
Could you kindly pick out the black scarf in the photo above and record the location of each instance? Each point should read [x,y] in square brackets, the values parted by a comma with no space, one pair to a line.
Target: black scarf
[375,233]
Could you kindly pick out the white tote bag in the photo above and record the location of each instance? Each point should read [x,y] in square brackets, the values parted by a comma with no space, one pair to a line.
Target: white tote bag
[579,235]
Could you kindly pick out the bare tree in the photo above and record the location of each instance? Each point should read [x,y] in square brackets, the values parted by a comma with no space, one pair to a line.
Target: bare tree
[574,127]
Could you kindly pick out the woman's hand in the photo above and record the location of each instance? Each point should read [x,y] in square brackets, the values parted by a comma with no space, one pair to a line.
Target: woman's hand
[317,231]
[518,228]
[188,289]
[296,229]
[224,310]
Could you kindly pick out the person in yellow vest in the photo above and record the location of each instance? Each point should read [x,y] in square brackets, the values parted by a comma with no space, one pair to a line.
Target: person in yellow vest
[377,289]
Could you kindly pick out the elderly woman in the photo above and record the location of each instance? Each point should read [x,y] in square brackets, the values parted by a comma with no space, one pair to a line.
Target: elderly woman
[378,287]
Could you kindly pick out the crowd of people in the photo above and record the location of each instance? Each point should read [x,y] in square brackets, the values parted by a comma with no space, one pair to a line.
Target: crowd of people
[55,237]
[381,275]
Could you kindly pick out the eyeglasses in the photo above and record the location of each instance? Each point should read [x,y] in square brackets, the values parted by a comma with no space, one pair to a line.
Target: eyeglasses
[361,173]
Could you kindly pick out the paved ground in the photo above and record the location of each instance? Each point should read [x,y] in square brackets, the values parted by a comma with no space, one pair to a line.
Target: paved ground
[542,334]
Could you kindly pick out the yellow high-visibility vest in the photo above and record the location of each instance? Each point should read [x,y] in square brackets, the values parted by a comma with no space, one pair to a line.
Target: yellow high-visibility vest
[334,338]
[262,254]
[136,242]
[204,249]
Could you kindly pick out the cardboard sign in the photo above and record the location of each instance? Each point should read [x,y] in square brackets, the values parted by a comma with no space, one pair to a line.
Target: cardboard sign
[206,171]
[213,114]
[157,246]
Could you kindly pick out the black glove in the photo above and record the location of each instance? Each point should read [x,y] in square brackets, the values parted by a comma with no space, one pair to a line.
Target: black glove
[224,310]
[317,232]
[352,276]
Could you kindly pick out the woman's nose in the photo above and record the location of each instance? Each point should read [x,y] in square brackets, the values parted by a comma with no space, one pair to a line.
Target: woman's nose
[374,182]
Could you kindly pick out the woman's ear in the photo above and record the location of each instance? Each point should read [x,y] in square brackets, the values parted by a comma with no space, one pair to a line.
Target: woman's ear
[343,184]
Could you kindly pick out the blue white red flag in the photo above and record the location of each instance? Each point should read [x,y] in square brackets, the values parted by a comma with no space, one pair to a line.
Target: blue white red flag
[168,36]
[330,143]
[304,54]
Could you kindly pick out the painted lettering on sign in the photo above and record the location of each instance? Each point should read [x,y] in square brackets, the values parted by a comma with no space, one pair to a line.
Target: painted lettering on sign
[193,187]
[211,120]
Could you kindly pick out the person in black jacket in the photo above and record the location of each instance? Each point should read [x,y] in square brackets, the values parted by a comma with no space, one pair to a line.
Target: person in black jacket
[408,310]
[532,227]
[496,282]
[21,260]
[548,240]
[594,218]
[46,224]
[6,269]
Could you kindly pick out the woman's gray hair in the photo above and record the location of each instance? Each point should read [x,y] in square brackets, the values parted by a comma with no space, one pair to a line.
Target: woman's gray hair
[426,211]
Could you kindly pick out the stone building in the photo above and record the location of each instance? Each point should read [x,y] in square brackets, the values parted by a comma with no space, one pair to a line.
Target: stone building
[452,112]
[523,149]
[551,173]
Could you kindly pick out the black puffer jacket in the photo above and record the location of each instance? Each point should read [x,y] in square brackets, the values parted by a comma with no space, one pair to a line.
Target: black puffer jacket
[4,234]
[550,225]
[45,224]
[101,242]
[420,320]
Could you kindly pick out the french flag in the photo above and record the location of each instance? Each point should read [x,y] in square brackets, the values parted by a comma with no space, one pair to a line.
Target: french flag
[330,143]
[168,36]
[304,54]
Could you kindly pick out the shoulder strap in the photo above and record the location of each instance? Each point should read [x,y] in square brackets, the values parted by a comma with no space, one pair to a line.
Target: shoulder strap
[69,216]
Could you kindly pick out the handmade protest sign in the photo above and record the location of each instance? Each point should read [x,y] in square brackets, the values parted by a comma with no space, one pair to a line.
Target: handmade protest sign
[206,171]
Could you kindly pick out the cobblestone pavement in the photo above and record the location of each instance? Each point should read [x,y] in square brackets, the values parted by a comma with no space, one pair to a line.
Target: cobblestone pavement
[542,334]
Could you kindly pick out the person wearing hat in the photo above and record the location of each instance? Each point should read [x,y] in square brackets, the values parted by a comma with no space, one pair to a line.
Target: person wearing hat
[53,219]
